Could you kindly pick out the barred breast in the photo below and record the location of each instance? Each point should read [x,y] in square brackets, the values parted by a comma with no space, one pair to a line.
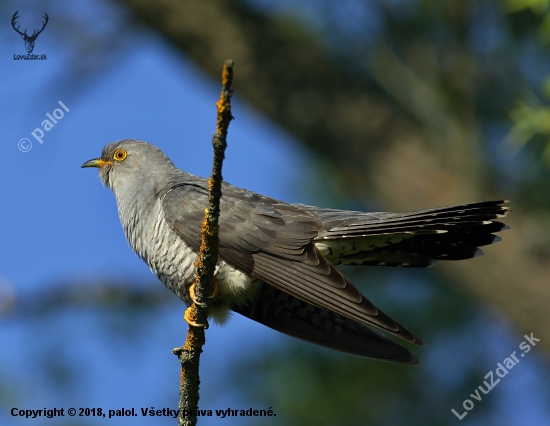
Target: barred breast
[173,262]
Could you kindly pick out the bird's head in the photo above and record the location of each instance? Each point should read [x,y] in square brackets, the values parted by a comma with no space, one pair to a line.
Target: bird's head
[132,164]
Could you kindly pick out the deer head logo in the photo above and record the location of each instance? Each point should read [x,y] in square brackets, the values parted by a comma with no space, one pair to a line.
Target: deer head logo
[29,39]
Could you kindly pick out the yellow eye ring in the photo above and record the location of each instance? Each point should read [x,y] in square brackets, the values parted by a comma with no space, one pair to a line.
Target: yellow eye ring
[120,155]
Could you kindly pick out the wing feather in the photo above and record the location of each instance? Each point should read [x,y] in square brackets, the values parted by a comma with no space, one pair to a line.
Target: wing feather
[282,254]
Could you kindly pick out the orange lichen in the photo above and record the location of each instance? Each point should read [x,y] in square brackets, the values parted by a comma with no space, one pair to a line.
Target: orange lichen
[223,105]
[205,283]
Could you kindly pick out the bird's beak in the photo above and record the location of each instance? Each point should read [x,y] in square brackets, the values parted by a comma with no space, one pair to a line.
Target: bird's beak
[96,162]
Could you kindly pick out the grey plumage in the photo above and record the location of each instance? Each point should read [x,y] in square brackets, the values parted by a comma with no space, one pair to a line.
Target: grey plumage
[277,259]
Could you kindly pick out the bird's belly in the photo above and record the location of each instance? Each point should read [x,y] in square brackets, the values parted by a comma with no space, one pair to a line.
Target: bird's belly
[235,287]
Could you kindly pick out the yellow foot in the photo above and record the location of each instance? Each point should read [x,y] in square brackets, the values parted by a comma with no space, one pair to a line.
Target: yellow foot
[192,293]
[187,316]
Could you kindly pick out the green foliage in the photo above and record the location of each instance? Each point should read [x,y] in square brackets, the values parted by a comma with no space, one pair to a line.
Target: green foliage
[531,121]
[537,6]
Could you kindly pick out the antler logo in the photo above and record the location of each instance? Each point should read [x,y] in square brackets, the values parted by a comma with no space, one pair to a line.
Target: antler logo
[29,39]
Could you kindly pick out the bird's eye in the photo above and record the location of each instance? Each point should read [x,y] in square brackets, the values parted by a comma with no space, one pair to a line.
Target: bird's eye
[120,155]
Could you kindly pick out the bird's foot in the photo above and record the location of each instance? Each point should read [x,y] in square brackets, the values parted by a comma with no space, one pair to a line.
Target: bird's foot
[191,319]
[193,289]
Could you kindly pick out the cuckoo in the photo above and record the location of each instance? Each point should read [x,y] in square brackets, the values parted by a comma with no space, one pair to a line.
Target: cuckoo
[277,261]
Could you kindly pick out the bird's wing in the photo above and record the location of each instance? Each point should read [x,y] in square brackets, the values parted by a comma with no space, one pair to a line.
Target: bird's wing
[287,314]
[412,239]
[272,241]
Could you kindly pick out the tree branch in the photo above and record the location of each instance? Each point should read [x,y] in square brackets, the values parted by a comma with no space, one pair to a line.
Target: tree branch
[204,286]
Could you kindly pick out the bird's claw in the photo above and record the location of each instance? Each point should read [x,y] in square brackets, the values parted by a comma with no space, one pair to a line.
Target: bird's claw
[192,293]
[187,316]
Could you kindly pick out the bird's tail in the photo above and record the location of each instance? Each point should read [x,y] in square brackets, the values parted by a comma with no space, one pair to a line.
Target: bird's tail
[413,239]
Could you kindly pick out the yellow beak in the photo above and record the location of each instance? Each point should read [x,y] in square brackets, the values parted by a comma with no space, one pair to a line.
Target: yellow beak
[96,162]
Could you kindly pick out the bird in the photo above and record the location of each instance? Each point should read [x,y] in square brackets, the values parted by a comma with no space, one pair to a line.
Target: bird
[278,261]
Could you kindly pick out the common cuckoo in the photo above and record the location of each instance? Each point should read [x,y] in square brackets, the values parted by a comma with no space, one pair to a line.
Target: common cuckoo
[277,260]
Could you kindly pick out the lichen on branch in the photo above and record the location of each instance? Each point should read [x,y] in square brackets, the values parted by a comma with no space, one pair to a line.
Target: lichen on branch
[204,285]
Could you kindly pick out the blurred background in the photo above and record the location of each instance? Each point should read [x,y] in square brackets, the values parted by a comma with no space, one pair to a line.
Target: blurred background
[384,105]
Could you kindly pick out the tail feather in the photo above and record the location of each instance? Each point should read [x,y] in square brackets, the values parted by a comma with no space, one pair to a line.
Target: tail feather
[413,239]
[340,222]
